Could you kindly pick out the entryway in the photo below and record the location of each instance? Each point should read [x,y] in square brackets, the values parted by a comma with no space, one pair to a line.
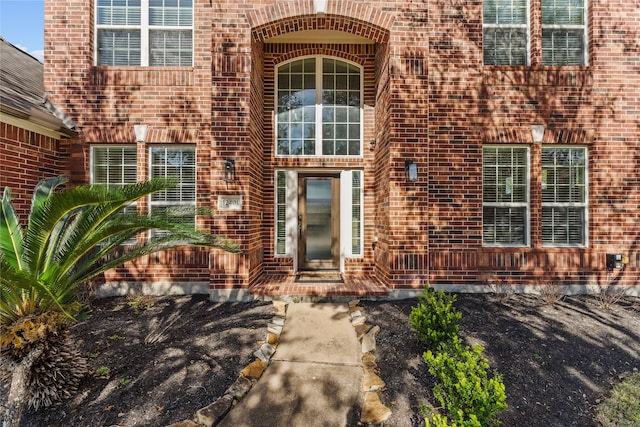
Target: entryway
[318,222]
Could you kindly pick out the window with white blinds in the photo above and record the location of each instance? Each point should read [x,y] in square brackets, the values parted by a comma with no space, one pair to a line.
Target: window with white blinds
[564,32]
[281,213]
[178,162]
[356,212]
[115,166]
[144,32]
[564,196]
[505,196]
[319,102]
[505,28]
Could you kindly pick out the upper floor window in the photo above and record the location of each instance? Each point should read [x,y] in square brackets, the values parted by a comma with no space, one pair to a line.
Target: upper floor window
[144,32]
[505,32]
[319,108]
[507,28]
[563,32]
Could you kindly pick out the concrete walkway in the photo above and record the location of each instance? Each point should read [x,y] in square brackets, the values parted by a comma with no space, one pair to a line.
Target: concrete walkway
[313,379]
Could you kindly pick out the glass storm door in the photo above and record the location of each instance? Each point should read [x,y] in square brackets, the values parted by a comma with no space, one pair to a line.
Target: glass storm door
[318,223]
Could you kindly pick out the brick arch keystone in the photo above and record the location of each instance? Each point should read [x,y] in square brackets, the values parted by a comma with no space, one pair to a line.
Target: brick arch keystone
[340,15]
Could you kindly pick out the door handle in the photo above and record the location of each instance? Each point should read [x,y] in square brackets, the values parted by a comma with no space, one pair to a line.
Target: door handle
[299,226]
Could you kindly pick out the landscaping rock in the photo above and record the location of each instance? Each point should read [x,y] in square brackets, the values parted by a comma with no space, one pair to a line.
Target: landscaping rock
[361,330]
[254,370]
[272,339]
[186,423]
[278,320]
[359,320]
[371,381]
[274,329]
[212,414]
[369,340]
[240,388]
[373,411]
[280,308]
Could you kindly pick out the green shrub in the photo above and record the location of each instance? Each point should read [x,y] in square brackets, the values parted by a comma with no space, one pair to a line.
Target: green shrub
[438,420]
[435,319]
[463,387]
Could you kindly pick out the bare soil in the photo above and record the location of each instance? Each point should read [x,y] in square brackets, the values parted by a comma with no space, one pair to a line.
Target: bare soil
[558,360]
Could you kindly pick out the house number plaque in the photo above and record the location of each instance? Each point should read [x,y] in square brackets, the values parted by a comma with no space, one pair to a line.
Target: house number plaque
[229,203]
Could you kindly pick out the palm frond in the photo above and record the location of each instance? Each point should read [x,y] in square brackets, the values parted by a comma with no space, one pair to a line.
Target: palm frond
[10,232]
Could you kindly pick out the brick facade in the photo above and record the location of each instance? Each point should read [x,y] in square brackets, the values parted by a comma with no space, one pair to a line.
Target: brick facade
[427,98]
[27,157]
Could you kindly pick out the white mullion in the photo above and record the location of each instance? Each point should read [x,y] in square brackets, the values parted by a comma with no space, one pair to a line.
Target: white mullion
[319,106]
[144,33]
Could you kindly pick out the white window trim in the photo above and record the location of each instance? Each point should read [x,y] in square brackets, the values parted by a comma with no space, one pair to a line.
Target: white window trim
[346,208]
[526,205]
[145,30]
[318,122]
[133,205]
[291,211]
[527,28]
[193,203]
[92,154]
[585,28]
[584,205]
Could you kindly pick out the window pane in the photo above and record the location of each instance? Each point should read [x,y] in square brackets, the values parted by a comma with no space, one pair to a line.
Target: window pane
[118,13]
[170,48]
[562,47]
[563,12]
[114,166]
[171,13]
[118,47]
[504,226]
[504,46]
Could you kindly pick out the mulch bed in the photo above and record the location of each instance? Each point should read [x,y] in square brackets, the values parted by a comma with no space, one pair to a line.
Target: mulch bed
[558,360]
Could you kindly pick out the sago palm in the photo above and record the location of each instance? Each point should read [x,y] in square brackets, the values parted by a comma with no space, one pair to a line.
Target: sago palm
[75,235]
[71,236]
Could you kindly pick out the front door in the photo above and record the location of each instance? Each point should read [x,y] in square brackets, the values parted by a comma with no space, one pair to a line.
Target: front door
[319,222]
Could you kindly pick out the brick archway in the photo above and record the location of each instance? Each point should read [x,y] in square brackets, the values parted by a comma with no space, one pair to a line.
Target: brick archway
[345,16]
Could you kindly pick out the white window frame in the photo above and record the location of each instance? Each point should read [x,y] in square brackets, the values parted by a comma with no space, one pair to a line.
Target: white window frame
[92,162]
[318,108]
[526,27]
[346,215]
[570,204]
[145,29]
[582,28]
[526,205]
[189,203]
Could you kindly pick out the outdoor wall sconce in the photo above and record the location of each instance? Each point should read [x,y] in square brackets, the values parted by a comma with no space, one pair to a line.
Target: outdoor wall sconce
[229,171]
[141,132]
[411,171]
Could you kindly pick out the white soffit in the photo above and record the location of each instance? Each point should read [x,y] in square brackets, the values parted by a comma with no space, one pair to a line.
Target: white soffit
[319,36]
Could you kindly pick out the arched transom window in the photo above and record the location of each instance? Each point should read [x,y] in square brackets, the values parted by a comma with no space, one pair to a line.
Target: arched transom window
[319,108]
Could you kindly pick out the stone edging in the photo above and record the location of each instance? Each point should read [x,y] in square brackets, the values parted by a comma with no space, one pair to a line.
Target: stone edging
[212,414]
[373,411]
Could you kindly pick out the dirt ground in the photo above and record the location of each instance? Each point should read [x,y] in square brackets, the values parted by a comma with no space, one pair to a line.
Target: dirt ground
[166,362]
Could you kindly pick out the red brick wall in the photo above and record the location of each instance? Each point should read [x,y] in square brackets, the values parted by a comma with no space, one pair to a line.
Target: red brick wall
[26,157]
[429,99]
